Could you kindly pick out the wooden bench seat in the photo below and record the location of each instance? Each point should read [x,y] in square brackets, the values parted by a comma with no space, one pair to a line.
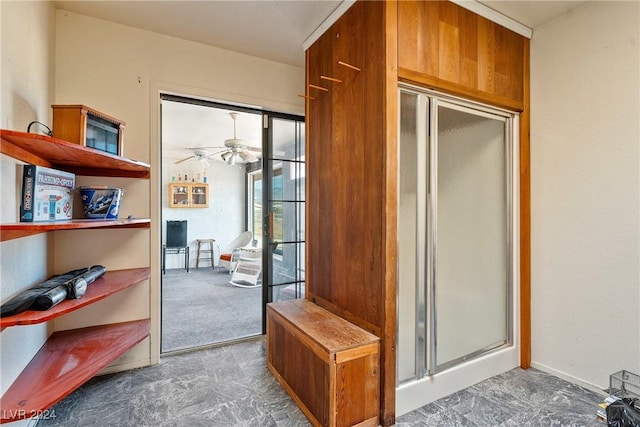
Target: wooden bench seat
[329,366]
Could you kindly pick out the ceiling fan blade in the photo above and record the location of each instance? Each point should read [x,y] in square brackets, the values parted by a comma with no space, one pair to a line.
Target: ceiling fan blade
[217,153]
[258,150]
[184,160]
[206,148]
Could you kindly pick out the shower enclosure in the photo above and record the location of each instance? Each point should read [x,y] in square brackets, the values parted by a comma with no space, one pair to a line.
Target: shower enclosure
[456,281]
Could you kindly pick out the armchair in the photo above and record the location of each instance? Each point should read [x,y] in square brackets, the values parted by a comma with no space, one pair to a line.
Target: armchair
[248,268]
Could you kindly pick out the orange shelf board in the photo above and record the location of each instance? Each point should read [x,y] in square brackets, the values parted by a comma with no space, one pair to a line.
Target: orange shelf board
[52,152]
[110,283]
[21,229]
[66,361]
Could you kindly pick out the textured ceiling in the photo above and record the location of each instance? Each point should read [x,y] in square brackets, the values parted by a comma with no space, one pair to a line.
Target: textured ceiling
[267,29]
[532,13]
[270,29]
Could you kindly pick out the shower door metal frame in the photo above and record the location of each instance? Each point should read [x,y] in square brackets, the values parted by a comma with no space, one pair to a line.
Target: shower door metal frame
[428,102]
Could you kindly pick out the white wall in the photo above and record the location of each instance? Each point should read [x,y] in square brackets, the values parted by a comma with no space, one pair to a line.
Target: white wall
[118,70]
[121,71]
[223,220]
[585,87]
[27,51]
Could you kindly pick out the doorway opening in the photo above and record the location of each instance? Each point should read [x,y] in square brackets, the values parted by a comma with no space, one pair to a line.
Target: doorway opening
[213,153]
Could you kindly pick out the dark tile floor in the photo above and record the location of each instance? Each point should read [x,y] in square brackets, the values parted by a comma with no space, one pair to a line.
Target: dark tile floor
[231,386]
[516,398]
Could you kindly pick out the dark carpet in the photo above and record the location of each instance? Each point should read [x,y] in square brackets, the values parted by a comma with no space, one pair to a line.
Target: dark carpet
[201,308]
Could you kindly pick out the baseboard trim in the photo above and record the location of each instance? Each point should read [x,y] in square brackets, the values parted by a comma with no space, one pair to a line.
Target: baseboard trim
[560,374]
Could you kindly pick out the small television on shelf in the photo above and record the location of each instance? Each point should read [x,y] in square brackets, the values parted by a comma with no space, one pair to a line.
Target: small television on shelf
[88,127]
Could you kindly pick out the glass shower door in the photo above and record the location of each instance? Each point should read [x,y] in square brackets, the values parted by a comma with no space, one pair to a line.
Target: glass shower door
[454,233]
[471,262]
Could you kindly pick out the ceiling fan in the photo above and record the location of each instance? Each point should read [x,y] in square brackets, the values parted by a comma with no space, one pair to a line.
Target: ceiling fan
[199,154]
[235,150]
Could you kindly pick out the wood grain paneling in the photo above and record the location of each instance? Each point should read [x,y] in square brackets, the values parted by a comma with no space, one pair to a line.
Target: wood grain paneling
[329,366]
[352,145]
[390,211]
[319,152]
[351,167]
[525,219]
[443,45]
[345,160]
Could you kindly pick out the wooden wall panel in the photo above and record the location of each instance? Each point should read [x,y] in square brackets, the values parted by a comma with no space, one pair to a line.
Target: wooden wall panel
[345,160]
[390,207]
[348,226]
[443,45]
[352,144]
[351,163]
[525,219]
[319,203]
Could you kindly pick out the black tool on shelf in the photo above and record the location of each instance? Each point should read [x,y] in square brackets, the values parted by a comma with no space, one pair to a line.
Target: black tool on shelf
[72,289]
[72,284]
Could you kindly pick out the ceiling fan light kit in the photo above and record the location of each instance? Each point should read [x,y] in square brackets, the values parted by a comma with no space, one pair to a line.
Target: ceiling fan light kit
[235,150]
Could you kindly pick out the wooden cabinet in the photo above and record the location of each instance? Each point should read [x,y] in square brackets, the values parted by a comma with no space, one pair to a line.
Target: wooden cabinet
[329,366]
[443,45]
[70,358]
[188,195]
[88,127]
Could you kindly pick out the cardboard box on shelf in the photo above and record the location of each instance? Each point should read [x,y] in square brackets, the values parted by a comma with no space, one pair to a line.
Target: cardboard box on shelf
[47,194]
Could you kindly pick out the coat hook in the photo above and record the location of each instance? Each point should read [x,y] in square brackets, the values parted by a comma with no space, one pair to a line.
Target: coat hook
[319,87]
[306,97]
[353,67]
[331,79]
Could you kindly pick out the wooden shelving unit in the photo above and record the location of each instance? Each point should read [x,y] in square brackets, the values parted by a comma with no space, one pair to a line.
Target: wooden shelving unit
[64,363]
[112,282]
[23,229]
[55,153]
[70,358]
